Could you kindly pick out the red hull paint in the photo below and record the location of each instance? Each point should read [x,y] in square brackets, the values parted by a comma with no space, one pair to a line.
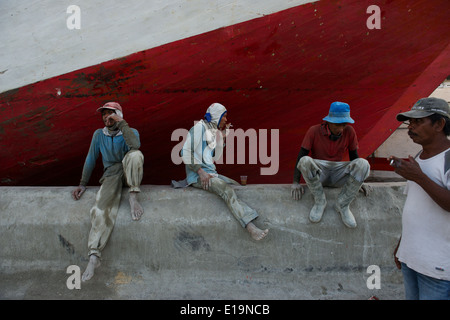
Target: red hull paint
[280,71]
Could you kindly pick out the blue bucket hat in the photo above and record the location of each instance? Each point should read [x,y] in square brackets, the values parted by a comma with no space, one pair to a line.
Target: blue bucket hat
[339,113]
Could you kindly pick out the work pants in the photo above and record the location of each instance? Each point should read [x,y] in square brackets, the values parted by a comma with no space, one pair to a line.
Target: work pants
[334,173]
[107,201]
[240,210]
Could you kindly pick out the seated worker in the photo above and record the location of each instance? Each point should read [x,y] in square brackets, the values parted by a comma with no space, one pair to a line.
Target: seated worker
[327,143]
[203,145]
[123,162]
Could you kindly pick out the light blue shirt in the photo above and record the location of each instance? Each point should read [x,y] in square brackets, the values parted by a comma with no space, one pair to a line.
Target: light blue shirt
[113,150]
[197,154]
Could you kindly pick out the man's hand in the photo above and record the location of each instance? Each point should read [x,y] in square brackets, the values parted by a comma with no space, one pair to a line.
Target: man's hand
[397,262]
[78,192]
[297,191]
[226,131]
[408,169]
[205,178]
[113,118]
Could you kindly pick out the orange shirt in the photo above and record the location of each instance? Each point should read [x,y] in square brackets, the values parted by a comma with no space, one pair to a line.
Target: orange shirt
[321,147]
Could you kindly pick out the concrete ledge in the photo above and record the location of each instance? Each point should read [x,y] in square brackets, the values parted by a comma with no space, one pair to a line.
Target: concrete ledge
[190,235]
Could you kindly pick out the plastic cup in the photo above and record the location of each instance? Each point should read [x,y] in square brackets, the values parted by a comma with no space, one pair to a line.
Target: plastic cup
[244,180]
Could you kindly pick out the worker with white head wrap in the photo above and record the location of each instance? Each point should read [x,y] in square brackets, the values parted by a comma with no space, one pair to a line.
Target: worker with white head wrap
[204,144]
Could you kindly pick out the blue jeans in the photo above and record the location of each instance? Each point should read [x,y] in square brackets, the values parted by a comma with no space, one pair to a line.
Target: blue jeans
[422,287]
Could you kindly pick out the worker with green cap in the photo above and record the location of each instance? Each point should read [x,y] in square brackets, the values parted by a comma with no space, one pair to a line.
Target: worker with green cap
[423,250]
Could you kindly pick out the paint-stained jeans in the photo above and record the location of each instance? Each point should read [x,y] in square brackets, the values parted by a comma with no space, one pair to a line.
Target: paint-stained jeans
[107,201]
[334,173]
[240,210]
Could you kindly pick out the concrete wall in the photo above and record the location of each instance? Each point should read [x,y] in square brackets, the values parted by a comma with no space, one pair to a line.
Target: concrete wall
[187,233]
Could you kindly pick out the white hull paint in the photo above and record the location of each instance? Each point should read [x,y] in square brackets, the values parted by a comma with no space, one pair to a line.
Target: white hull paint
[37,44]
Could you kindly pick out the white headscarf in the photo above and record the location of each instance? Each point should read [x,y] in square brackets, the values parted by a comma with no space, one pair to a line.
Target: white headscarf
[211,122]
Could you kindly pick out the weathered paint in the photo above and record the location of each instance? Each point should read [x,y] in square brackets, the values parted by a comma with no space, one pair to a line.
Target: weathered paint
[280,71]
[41,46]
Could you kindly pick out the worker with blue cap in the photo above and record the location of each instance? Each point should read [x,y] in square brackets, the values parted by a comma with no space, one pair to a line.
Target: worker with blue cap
[326,143]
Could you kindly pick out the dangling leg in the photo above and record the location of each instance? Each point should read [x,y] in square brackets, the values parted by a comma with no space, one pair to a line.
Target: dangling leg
[133,164]
[240,210]
[103,217]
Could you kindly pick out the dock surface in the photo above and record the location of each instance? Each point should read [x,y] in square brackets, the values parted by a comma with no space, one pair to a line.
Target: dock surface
[187,245]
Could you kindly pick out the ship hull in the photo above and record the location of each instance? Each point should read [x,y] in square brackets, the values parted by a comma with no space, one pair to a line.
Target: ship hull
[276,74]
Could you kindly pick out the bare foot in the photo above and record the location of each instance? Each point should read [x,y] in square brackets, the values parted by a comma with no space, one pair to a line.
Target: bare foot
[94,262]
[136,208]
[255,232]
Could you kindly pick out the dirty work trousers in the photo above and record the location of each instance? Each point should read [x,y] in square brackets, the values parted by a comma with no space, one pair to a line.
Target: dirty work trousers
[334,173]
[107,201]
[241,211]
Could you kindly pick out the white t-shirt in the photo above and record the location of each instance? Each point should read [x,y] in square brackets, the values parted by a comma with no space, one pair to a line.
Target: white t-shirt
[425,243]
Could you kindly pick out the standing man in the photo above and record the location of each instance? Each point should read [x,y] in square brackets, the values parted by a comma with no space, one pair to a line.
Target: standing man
[327,143]
[423,253]
[203,145]
[123,163]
